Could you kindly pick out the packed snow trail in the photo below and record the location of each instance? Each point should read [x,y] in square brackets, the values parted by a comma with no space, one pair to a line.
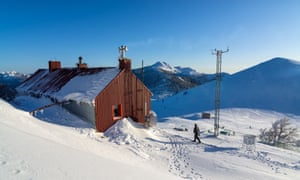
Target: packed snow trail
[180,159]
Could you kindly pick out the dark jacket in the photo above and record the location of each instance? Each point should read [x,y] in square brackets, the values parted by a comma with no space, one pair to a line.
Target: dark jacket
[196,130]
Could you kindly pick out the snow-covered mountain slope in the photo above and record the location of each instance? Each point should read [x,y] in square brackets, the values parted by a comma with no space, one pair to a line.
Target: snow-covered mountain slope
[35,149]
[272,85]
[165,80]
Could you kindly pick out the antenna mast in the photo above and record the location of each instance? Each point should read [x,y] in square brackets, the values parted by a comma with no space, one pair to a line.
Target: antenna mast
[218,83]
[122,50]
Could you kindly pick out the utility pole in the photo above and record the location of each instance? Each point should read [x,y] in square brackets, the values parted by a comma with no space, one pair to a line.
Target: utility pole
[143,95]
[218,83]
[143,71]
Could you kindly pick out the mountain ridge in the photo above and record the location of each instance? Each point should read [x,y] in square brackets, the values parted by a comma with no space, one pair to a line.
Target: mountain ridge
[165,80]
[271,85]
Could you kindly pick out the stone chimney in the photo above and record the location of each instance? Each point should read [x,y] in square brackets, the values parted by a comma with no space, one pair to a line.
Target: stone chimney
[54,65]
[81,65]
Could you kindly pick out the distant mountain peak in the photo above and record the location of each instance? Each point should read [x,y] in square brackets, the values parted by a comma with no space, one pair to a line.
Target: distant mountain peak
[161,65]
[13,74]
[165,80]
[281,60]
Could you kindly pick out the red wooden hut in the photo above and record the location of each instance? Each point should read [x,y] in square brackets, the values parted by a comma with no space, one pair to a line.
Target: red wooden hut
[99,95]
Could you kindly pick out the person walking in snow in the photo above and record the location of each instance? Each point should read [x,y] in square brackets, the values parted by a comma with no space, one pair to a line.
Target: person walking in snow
[196,133]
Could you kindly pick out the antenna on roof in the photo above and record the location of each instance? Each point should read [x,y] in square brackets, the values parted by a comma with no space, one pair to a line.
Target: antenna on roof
[80,60]
[80,64]
[122,50]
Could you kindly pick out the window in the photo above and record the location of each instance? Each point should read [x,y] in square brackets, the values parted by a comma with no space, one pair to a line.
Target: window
[117,111]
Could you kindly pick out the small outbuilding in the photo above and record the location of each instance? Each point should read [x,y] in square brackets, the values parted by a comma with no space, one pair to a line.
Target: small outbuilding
[101,95]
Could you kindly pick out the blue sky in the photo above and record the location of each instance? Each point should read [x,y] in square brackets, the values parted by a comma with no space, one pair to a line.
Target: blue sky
[180,32]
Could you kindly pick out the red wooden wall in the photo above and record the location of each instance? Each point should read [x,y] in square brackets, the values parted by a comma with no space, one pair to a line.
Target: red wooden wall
[127,91]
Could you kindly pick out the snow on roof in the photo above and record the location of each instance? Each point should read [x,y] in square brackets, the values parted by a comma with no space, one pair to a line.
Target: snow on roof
[32,81]
[84,88]
[69,83]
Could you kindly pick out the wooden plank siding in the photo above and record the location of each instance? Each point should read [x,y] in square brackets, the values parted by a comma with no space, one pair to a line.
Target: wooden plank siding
[127,91]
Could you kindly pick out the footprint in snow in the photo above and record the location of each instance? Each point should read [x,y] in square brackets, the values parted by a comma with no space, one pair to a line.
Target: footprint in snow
[17,171]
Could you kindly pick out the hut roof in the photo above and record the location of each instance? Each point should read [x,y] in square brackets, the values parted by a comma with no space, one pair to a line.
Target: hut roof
[69,83]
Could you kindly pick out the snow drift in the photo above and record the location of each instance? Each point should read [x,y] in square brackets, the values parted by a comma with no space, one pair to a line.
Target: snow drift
[123,132]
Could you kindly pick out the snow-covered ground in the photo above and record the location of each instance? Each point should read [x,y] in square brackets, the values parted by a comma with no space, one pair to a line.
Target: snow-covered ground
[54,148]
[35,149]
[58,145]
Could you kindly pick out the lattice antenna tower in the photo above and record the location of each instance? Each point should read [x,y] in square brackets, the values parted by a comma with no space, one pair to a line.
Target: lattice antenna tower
[218,53]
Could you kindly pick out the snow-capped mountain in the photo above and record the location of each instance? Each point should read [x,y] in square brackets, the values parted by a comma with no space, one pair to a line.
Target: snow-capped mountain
[12,78]
[271,85]
[165,80]
[8,81]
[14,74]
[163,66]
